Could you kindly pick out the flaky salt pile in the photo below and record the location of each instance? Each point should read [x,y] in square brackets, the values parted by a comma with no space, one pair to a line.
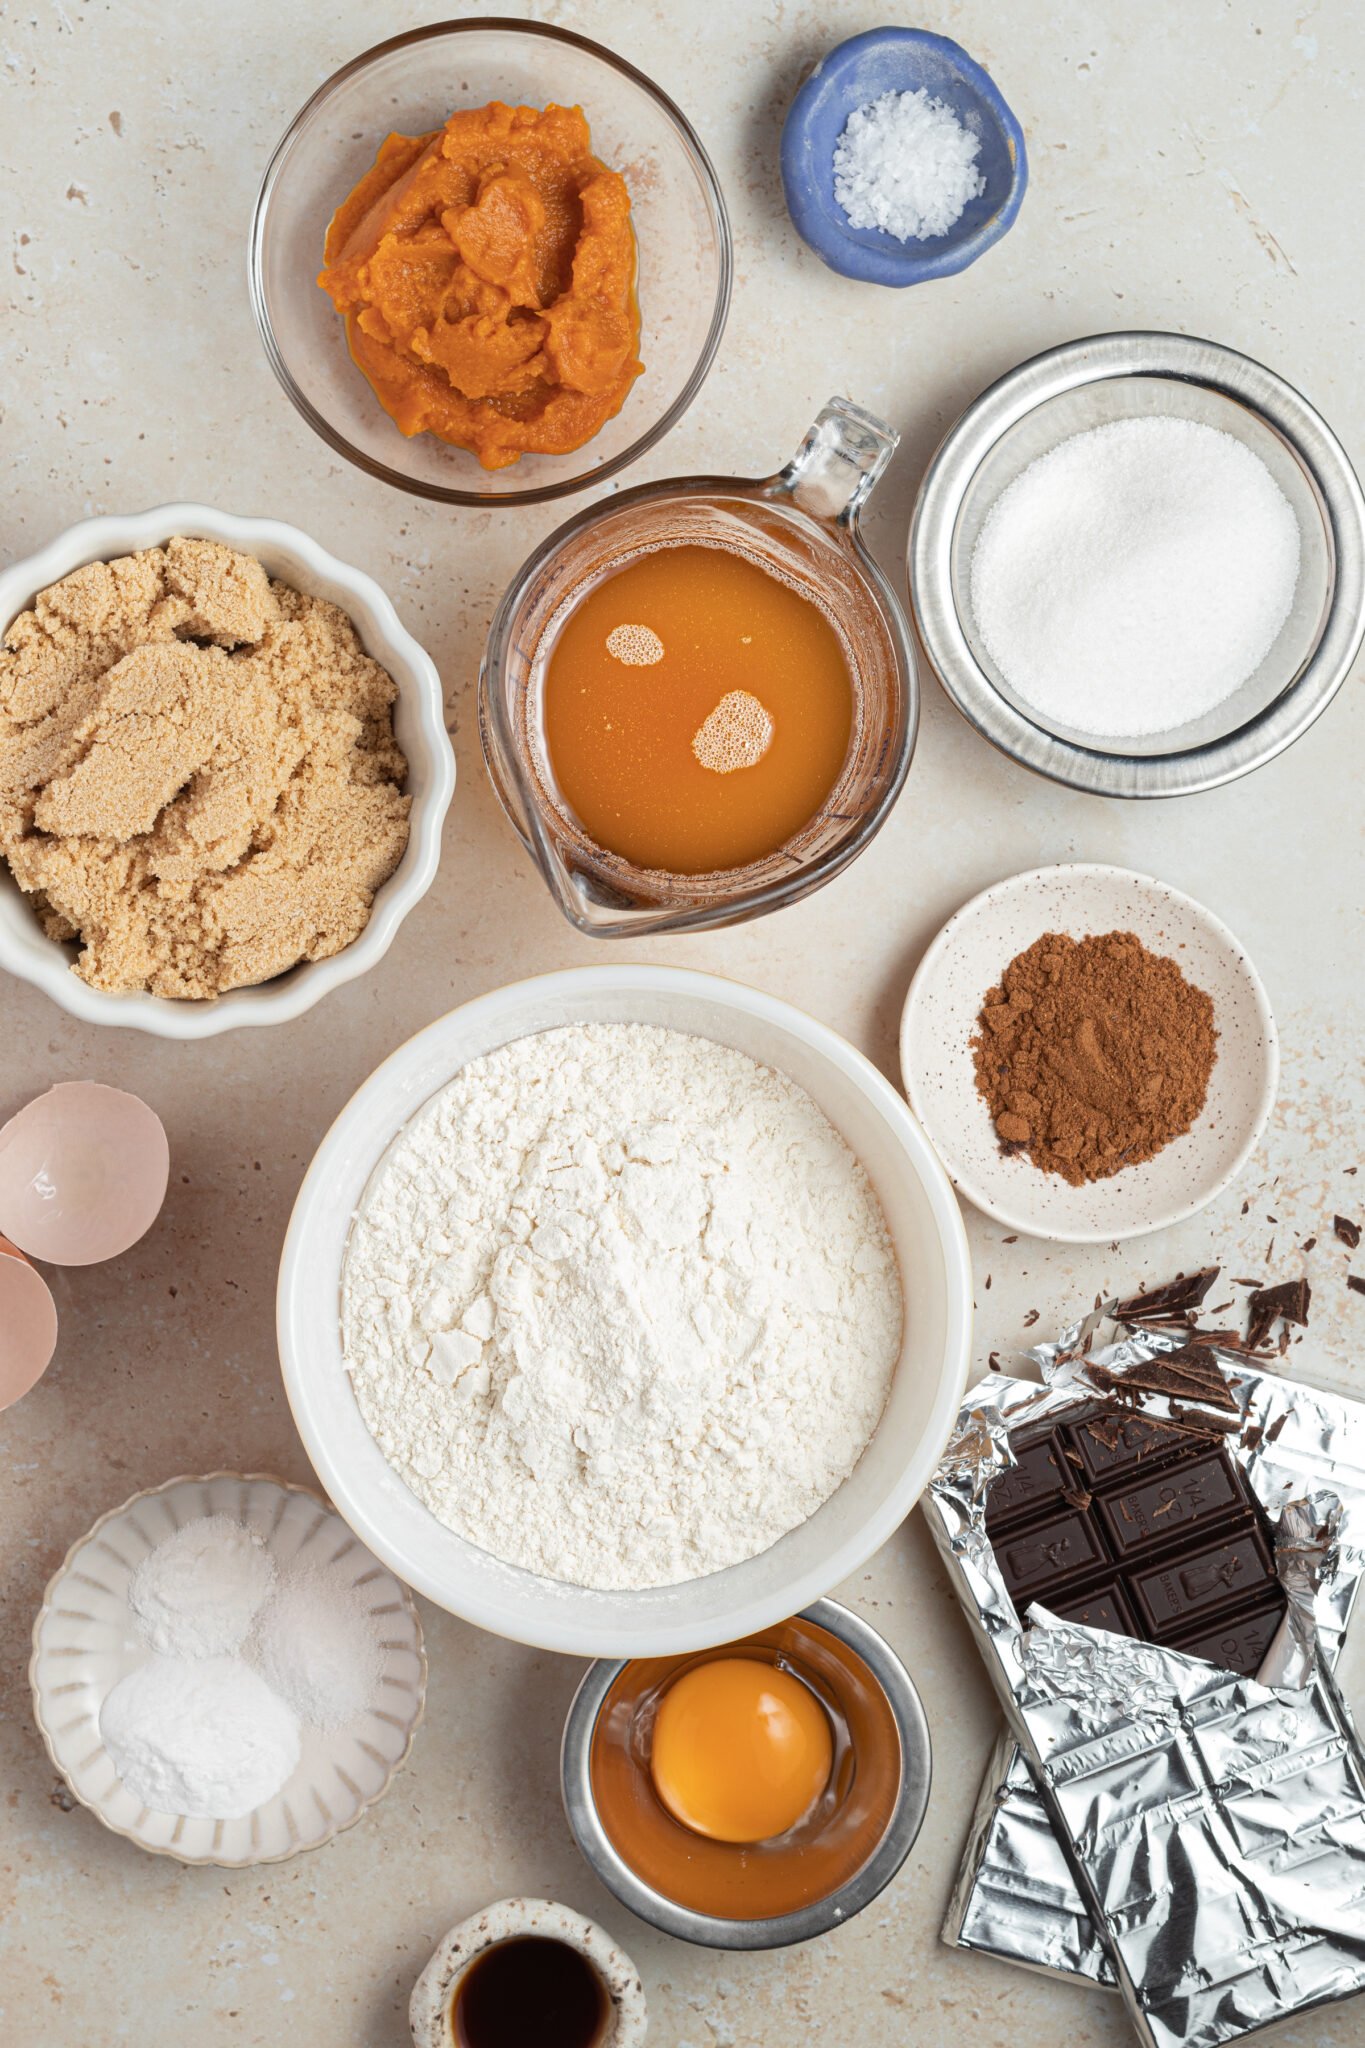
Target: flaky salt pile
[906,164]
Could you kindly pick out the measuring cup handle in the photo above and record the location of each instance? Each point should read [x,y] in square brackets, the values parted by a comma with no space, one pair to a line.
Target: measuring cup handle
[840,459]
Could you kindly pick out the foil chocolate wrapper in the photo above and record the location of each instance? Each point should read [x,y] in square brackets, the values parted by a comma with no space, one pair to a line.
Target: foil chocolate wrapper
[1195,1838]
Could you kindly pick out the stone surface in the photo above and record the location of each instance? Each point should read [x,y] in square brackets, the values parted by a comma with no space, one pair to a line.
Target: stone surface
[1193,168]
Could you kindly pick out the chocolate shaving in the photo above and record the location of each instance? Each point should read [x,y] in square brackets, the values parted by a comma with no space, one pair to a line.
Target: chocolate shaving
[1204,1425]
[1030,1319]
[1290,1300]
[1077,1496]
[1308,1244]
[1179,1297]
[1193,1374]
[1277,1425]
[1355,1283]
[1347,1231]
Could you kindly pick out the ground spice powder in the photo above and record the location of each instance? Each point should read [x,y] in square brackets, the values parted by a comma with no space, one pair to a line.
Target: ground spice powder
[1092,1054]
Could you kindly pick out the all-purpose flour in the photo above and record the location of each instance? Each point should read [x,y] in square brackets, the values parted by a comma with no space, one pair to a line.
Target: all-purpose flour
[620,1305]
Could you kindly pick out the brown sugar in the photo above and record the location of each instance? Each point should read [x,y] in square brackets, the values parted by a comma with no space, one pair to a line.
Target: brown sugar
[199,779]
[1092,1054]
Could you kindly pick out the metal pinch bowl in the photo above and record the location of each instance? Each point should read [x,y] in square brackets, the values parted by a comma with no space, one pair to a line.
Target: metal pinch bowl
[1086,384]
[780,1930]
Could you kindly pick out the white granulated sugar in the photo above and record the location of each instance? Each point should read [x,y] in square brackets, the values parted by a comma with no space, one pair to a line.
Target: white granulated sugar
[1133,577]
[907,165]
[197,1592]
[620,1306]
[202,1738]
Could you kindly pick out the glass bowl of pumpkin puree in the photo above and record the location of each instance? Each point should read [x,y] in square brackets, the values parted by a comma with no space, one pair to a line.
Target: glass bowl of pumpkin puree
[395,425]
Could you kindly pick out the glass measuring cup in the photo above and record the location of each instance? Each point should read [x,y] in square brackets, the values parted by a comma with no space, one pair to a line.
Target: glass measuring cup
[801,524]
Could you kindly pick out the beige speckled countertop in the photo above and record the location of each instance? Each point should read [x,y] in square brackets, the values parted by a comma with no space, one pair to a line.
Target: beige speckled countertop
[1194,167]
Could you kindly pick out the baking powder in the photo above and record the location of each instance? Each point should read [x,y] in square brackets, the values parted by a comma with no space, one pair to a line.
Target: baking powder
[620,1305]
[197,1593]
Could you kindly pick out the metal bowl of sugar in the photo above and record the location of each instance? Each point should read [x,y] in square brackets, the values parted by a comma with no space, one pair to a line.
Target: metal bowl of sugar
[931,133]
[1003,441]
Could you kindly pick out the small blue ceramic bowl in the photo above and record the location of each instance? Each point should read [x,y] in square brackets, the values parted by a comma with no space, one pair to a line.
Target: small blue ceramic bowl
[898,60]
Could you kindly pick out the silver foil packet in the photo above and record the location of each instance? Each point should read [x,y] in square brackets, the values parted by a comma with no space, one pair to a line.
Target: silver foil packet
[1194,1837]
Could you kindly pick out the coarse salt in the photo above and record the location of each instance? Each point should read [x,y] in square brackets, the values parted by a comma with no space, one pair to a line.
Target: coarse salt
[1134,577]
[907,165]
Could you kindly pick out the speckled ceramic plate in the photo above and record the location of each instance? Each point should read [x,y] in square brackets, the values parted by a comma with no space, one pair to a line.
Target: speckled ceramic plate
[84,1641]
[941,1009]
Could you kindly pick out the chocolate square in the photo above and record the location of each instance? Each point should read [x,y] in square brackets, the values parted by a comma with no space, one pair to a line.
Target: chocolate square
[1236,1643]
[1104,1606]
[1050,1556]
[1039,1471]
[1109,1445]
[1161,1509]
[1205,1582]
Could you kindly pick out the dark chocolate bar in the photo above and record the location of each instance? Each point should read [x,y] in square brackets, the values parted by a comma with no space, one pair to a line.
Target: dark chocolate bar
[1121,1523]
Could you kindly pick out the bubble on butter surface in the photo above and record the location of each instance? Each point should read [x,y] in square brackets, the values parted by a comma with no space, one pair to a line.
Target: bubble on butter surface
[737,734]
[635,646]
[83,1172]
[28,1325]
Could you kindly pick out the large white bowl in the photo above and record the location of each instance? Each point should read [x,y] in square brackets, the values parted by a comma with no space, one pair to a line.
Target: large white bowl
[925,1226]
[418,721]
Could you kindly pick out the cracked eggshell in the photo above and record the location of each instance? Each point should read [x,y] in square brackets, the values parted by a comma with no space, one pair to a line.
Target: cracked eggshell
[28,1325]
[83,1172]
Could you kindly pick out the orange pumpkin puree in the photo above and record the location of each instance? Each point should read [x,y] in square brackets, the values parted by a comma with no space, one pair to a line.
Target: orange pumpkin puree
[486,273]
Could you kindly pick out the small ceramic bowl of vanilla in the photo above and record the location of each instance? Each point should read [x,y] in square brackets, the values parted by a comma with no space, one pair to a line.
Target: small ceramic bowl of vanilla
[528,1970]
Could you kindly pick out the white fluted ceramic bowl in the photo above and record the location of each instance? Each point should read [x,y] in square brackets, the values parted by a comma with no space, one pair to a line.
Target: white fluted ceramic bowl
[419,725]
[84,1641]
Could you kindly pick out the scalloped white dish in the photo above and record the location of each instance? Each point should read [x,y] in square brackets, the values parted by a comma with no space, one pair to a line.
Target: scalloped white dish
[84,1641]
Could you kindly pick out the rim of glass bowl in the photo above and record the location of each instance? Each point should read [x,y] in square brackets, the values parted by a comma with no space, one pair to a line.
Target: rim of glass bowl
[1096,358]
[538,494]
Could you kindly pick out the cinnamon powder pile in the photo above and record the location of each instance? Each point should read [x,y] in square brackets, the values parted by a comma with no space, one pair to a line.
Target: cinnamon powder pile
[1092,1054]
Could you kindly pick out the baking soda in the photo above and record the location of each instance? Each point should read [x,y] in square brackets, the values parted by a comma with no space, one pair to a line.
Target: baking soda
[1134,577]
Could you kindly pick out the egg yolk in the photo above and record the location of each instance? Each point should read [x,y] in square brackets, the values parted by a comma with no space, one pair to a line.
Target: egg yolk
[740,1750]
